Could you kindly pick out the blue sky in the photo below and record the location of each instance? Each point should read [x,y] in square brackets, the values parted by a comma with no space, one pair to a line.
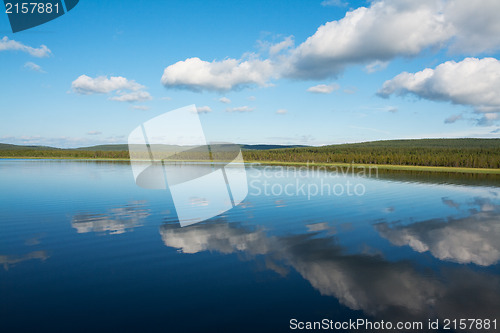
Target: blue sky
[287,72]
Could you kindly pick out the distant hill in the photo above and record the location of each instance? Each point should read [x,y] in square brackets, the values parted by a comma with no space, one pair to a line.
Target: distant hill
[120,147]
[422,143]
[266,147]
[124,147]
[5,146]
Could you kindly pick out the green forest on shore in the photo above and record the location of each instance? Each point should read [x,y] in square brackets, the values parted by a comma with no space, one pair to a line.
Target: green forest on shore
[450,153]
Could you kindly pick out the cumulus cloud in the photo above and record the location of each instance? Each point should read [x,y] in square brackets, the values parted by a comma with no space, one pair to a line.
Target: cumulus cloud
[370,36]
[240,109]
[197,75]
[282,111]
[7,44]
[224,100]
[102,84]
[472,82]
[124,90]
[365,35]
[203,109]
[94,133]
[385,30]
[323,88]
[33,67]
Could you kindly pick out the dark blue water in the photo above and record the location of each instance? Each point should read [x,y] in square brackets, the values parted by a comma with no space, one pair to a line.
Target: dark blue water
[83,249]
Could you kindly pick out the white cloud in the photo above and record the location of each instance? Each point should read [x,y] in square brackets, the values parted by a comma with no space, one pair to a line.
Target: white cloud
[476,25]
[7,44]
[334,3]
[473,82]
[370,36]
[124,90]
[134,96]
[102,85]
[203,109]
[33,67]
[224,100]
[94,133]
[385,30]
[166,98]
[282,111]
[252,98]
[197,75]
[373,35]
[140,107]
[240,109]
[323,88]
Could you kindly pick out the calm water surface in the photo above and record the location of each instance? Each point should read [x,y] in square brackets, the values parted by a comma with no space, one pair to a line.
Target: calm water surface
[83,249]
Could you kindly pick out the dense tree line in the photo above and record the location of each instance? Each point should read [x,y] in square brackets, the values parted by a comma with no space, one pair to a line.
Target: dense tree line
[447,157]
[470,153]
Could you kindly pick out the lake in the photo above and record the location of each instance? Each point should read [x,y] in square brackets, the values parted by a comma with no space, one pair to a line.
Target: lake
[84,249]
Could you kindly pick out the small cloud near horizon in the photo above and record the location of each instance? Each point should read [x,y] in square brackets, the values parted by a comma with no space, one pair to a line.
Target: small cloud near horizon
[323,88]
[7,44]
[240,109]
[124,90]
[34,67]
[203,109]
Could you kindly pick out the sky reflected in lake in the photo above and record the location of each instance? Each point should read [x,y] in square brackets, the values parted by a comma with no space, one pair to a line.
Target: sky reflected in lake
[82,248]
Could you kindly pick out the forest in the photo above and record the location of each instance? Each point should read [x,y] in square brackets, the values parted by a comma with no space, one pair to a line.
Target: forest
[468,153]
[465,153]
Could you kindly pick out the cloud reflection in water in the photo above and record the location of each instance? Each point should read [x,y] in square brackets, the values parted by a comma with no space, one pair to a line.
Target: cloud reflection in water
[472,239]
[368,282]
[115,221]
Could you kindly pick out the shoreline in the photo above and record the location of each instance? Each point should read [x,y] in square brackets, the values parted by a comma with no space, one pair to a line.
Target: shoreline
[385,167]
